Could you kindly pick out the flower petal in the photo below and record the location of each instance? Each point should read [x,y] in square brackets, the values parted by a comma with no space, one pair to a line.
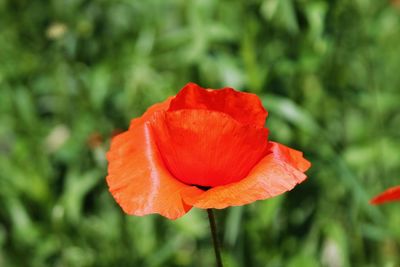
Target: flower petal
[246,108]
[207,148]
[275,174]
[137,177]
[391,194]
[290,155]
[151,110]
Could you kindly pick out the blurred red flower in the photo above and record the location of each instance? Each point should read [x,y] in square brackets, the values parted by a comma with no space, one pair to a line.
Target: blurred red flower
[202,148]
[391,194]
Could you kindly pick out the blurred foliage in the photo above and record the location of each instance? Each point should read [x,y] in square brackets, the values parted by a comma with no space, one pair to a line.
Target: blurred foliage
[73,72]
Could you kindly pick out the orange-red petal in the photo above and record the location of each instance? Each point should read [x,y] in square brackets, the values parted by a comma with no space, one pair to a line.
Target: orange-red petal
[391,194]
[207,148]
[276,173]
[246,108]
[151,110]
[290,155]
[137,177]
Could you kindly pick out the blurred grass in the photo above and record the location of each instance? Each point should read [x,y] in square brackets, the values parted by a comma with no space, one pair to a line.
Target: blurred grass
[72,72]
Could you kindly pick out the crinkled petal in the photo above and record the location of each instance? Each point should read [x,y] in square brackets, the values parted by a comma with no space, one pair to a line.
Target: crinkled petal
[275,174]
[151,110]
[246,108]
[207,148]
[391,194]
[290,155]
[137,177]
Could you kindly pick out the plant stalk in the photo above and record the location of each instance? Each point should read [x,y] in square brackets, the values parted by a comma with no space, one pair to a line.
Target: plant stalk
[217,246]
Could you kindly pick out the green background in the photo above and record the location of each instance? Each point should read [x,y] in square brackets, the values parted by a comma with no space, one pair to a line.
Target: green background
[74,71]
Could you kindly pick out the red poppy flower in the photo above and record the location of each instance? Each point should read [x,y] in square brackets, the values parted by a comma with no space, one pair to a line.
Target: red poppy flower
[391,194]
[202,148]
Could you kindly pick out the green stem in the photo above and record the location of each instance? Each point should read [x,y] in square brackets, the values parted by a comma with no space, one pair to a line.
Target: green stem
[213,228]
